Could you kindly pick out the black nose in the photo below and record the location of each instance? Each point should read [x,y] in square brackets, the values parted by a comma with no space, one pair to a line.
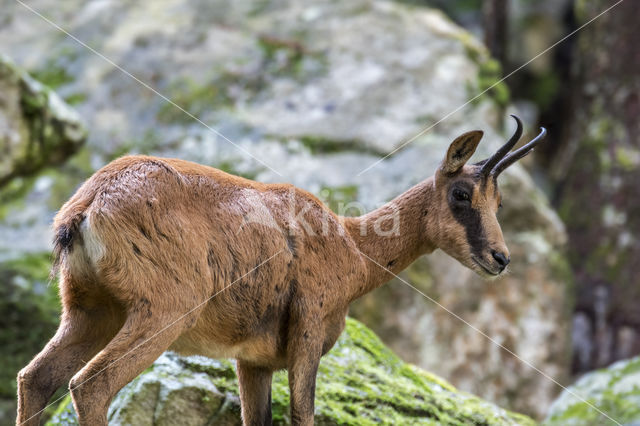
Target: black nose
[502,260]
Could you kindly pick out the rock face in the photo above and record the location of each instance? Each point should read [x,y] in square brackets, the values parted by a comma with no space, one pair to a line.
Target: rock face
[37,129]
[359,382]
[319,93]
[615,390]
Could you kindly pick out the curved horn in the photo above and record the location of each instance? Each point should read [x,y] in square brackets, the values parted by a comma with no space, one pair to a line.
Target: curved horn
[519,153]
[489,164]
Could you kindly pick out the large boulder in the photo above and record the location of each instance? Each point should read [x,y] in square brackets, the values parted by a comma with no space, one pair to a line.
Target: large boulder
[615,390]
[360,381]
[37,128]
[317,93]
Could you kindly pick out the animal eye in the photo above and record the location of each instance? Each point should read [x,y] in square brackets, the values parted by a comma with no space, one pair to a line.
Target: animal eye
[500,205]
[460,195]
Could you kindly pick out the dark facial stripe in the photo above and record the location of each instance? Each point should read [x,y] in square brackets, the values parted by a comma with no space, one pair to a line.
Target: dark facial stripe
[470,219]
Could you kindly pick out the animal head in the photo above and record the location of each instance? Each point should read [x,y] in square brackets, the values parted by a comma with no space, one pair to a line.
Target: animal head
[466,224]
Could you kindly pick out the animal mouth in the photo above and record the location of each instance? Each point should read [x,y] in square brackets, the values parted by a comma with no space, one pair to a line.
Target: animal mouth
[483,267]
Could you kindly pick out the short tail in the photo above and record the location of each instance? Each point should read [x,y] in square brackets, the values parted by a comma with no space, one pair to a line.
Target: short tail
[67,232]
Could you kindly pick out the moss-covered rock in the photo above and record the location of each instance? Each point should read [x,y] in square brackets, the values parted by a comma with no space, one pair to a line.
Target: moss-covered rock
[37,128]
[614,390]
[360,382]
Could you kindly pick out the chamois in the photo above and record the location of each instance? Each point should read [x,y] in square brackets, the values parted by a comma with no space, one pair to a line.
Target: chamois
[158,254]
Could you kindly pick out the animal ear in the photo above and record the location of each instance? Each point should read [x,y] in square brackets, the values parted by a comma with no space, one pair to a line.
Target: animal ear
[460,150]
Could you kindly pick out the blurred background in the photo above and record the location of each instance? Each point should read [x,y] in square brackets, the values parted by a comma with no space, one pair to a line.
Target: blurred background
[321,90]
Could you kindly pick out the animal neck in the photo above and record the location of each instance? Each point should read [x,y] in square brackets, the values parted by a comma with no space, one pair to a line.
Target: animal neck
[394,235]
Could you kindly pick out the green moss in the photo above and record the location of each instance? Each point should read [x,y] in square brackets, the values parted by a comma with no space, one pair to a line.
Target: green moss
[33,102]
[581,10]
[360,382]
[289,58]
[76,98]
[627,159]
[339,197]
[291,51]
[215,368]
[476,52]
[630,367]
[323,145]
[194,97]
[489,76]
[52,74]
[230,167]
[489,72]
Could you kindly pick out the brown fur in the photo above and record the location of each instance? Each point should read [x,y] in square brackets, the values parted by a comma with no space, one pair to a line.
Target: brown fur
[146,240]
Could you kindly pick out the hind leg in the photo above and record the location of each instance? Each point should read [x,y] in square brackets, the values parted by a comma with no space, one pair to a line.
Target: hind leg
[79,337]
[142,339]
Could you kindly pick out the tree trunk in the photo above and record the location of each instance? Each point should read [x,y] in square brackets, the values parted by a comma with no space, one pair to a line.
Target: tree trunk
[596,170]
[494,20]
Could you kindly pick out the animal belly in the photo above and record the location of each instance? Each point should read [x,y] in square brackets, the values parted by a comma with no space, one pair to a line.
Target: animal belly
[187,347]
[259,350]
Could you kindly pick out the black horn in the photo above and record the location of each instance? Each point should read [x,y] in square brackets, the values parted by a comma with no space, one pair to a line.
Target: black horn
[519,153]
[488,165]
